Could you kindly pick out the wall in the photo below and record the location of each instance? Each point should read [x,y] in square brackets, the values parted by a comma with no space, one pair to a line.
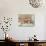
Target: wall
[12,8]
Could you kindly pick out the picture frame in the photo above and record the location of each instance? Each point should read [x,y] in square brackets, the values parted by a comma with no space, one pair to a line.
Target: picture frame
[26,20]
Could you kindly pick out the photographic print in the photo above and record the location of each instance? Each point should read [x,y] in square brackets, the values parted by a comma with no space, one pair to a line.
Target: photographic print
[26,20]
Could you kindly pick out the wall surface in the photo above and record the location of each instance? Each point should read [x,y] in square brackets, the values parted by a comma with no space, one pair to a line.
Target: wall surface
[11,8]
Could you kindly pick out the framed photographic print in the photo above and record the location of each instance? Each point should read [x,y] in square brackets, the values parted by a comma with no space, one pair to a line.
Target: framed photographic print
[26,20]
